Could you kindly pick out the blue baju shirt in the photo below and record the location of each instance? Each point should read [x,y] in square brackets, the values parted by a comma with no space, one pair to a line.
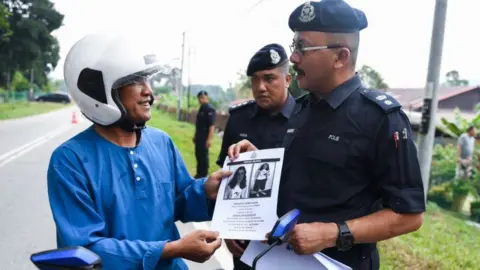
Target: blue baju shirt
[122,203]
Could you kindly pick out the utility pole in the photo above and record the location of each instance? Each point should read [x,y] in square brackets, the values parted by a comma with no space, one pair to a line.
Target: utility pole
[180,83]
[429,111]
[30,91]
[189,76]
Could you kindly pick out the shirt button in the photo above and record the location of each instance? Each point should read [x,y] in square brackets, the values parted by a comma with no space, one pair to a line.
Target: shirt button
[138,178]
[135,166]
[131,152]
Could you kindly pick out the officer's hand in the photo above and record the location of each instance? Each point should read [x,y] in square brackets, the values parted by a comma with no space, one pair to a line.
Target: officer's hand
[208,143]
[199,245]
[309,238]
[266,239]
[242,146]
[234,248]
[213,183]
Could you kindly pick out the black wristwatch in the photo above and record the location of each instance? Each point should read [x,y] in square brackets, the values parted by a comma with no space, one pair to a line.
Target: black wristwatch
[345,237]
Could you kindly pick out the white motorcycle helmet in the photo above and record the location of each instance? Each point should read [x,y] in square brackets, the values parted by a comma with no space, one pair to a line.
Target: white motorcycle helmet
[97,66]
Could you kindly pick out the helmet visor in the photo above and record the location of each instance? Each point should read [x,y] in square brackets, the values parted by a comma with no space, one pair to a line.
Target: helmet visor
[136,78]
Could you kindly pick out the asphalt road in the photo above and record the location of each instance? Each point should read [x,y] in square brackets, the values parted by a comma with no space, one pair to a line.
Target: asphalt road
[26,224]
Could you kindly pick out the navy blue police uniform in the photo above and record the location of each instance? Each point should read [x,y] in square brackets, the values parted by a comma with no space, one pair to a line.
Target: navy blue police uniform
[249,121]
[206,116]
[350,154]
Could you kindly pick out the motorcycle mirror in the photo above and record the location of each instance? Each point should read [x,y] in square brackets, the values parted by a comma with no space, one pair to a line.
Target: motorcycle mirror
[66,258]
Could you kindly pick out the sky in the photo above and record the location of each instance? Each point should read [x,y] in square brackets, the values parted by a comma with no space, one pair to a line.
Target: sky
[222,35]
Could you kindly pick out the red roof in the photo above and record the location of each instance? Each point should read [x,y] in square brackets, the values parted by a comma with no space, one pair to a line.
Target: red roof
[413,97]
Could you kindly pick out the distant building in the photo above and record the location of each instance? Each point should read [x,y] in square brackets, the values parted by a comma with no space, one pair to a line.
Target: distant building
[463,97]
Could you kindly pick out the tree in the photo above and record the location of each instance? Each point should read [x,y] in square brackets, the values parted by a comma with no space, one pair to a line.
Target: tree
[294,89]
[460,124]
[243,87]
[168,76]
[5,30]
[453,79]
[372,78]
[30,49]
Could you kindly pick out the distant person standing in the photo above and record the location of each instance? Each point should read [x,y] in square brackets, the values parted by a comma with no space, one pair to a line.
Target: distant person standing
[204,130]
[465,147]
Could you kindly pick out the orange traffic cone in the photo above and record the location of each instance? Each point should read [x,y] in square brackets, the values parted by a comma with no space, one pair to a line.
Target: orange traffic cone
[74,118]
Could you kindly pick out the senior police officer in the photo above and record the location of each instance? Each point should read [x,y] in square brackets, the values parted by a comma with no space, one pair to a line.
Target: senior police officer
[263,121]
[204,131]
[350,163]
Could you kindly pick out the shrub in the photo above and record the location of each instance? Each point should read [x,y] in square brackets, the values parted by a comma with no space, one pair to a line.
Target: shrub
[441,195]
[443,164]
[475,210]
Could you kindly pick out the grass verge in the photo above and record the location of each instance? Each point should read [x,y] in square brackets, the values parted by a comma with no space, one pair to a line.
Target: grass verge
[182,134]
[22,109]
[445,241]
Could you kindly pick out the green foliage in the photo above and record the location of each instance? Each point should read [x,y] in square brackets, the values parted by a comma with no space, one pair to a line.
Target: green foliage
[455,244]
[294,89]
[243,87]
[475,210]
[444,242]
[5,30]
[22,109]
[452,194]
[443,166]
[182,133]
[19,82]
[31,48]
[462,187]
[372,78]
[162,90]
[460,124]
[441,195]
[460,190]
[453,79]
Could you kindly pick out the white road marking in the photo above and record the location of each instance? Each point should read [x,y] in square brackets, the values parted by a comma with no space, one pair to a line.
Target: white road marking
[16,153]
[222,255]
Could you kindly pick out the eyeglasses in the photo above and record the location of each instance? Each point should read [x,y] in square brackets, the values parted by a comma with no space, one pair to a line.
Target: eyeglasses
[300,48]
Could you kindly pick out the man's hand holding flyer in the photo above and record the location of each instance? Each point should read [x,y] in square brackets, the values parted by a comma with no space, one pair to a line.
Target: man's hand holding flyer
[246,206]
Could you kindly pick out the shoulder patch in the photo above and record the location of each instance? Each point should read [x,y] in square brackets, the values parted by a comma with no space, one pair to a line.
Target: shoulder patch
[241,105]
[381,99]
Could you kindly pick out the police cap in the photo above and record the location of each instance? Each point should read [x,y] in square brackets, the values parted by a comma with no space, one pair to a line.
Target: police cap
[202,93]
[269,57]
[329,16]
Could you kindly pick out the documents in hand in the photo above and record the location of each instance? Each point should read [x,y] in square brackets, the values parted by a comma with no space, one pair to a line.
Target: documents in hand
[280,257]
[246,206]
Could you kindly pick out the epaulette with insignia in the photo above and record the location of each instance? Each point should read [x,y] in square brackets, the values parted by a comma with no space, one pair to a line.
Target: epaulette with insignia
[241,105]
[383,100]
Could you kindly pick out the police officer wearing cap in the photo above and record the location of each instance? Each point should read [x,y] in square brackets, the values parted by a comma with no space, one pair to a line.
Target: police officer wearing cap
[350,162]
[263,121]
[204,131]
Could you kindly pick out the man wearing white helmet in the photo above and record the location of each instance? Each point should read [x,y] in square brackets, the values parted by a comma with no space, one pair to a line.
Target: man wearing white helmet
[118,187]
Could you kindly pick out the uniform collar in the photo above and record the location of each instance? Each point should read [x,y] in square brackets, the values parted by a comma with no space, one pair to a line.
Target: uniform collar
[286,110]
[340,93]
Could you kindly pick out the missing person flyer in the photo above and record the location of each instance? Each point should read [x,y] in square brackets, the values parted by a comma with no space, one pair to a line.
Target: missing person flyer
[246,206]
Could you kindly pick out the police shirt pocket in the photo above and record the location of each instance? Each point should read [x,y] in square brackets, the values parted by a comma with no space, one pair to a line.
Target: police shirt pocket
[326,161]
[328,153]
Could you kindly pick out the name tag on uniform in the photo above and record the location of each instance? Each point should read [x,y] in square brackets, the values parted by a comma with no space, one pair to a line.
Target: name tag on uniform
[290,130]
[334,137]
[243,135]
